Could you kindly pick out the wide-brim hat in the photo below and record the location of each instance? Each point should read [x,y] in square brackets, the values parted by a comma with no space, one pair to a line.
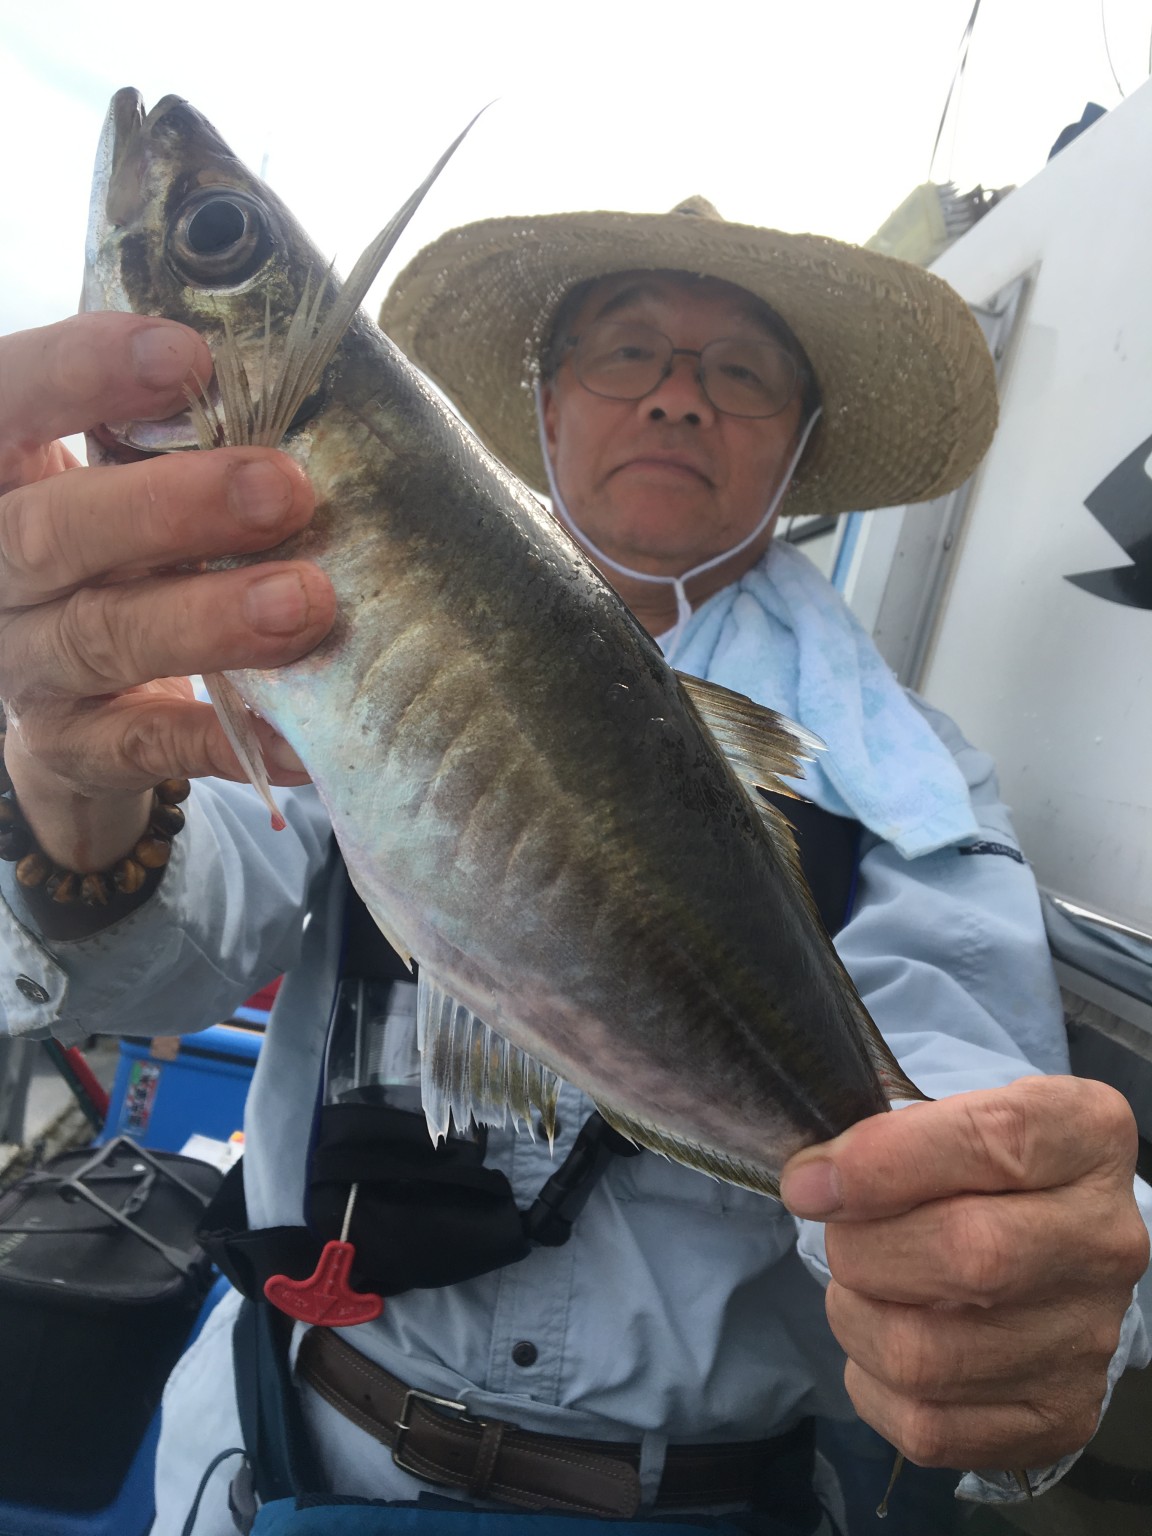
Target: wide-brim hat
[905,376]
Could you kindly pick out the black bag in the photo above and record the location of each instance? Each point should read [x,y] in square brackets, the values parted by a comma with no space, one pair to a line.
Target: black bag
[101,1280]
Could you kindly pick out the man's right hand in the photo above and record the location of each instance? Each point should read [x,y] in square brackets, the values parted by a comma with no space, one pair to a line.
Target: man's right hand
[103,616]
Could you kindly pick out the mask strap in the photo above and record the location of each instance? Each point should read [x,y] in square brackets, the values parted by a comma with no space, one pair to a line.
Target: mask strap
[677,583]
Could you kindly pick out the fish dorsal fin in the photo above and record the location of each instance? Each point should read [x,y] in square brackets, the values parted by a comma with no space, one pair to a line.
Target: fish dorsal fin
[762,746]
[469,1072]
[692,1154]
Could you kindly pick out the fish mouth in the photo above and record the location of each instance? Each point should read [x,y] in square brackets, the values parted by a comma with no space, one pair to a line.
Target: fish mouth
[112,448]
[127,442]
[118,190]
[126,130]
[131,442]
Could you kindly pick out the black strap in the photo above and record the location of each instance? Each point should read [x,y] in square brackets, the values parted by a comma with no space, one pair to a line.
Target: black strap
[829,848]
[367,953]
[549,1220]
[280,1453]
[249,1258]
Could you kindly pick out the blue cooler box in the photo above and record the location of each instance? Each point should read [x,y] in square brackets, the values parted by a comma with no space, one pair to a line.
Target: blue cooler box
[166,1091]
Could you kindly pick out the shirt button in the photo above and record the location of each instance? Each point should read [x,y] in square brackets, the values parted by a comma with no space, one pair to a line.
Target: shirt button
[525,1353]
[30,989]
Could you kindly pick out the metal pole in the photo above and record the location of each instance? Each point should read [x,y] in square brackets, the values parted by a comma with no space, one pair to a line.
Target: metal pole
[16,1059]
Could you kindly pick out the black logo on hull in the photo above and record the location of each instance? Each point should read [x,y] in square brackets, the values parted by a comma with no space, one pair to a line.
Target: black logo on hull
[1122,505]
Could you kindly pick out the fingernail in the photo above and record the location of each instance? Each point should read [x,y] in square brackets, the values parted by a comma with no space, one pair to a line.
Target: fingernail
[162,356]
[283,756]
[276,605]
[259,494]
[813,1189]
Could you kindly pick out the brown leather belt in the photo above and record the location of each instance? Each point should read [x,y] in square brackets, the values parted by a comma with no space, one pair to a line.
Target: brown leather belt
[438,1441]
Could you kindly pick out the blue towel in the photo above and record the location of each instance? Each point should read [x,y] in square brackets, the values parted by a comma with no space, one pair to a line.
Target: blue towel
[783,636]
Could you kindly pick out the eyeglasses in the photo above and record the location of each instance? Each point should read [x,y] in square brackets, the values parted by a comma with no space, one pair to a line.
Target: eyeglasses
[741,376]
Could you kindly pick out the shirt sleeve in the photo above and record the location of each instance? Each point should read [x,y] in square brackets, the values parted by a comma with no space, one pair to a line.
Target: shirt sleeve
[225,919]
[949,954]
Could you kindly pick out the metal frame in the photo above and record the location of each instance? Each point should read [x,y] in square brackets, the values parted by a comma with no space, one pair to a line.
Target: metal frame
[179,1260]
[914,567]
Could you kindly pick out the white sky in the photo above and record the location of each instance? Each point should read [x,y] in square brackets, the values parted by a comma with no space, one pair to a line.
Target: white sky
[818,114]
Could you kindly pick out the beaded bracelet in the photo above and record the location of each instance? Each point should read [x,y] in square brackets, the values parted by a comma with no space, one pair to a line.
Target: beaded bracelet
[96,888]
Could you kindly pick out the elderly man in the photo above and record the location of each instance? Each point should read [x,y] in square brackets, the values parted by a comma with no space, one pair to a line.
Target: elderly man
[673,379]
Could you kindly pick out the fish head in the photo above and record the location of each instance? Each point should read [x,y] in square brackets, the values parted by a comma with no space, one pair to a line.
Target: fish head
[180,228]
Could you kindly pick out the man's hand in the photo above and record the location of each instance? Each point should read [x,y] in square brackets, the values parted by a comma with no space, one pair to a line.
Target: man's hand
[102,614]
[983,1251]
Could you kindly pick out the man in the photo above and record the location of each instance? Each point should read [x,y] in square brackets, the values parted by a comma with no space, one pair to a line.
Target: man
[678,1314]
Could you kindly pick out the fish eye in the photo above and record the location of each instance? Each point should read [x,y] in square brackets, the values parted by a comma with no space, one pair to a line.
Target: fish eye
[219,239]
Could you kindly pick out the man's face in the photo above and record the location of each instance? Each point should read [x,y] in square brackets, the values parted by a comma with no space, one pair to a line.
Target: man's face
[664,483]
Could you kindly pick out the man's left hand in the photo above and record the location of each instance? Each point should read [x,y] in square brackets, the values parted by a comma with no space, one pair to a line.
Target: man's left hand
[983,1251]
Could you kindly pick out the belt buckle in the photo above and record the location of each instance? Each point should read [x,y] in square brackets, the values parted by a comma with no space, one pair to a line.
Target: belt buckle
[403,1426]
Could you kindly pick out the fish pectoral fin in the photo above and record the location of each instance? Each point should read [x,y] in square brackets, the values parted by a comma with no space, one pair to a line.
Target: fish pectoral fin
[761,745]
[692,1154]
[469,1072]
[313,339]
[240,728]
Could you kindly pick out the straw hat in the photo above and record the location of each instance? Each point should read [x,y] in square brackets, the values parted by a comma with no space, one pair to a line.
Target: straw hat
[907,382]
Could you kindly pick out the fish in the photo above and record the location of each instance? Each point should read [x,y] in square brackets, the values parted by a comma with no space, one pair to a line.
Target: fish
[565,834]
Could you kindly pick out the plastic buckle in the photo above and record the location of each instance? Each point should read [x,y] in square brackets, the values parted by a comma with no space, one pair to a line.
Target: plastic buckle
[242,1505]
[403,1426]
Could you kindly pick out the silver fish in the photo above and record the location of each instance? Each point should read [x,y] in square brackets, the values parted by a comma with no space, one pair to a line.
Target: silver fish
[531,803]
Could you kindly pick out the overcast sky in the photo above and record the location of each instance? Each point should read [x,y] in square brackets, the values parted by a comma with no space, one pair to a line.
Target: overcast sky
[819,114]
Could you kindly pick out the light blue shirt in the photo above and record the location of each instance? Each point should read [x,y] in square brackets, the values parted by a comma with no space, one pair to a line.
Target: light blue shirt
[682,1309]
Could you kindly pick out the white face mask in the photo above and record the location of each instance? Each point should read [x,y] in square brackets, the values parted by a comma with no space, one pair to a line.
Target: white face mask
[683,606]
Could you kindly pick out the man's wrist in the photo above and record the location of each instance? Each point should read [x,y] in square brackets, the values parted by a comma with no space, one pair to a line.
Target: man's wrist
[111,875]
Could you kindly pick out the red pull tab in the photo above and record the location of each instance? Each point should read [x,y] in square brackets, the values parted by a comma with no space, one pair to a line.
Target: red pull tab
[325,1298]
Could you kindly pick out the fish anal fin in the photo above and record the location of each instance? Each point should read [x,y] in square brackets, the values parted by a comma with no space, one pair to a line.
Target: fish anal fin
[469,1072]
[692,1154]
[240,728]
